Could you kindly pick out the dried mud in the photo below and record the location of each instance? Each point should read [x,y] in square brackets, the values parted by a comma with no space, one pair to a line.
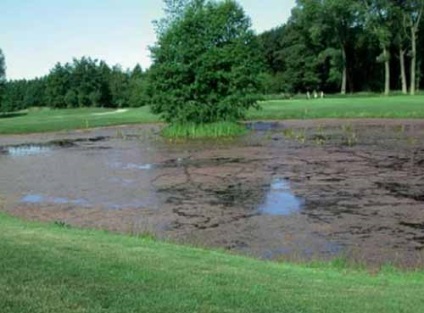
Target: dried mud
[296,190]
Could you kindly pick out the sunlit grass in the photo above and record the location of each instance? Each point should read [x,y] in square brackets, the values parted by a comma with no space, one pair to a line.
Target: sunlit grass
[348,107]
[44,120]
[51,268]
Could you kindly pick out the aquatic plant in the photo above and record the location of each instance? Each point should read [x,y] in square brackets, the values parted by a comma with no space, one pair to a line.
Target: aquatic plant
[61,224]
[351,136]
[212,130]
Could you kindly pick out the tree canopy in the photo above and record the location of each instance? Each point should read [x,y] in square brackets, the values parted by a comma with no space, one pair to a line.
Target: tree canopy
[341,45]
[207,64]
[81,83]
[2,74]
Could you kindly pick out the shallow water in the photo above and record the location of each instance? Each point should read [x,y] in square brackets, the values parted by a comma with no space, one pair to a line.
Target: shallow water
[280,199]
[26,150]
[40,199]
[298,190]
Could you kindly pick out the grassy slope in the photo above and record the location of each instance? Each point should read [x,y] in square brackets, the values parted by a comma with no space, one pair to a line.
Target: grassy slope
[45,268]
[360,107]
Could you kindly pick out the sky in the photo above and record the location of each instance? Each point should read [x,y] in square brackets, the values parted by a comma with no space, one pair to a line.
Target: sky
[36,34]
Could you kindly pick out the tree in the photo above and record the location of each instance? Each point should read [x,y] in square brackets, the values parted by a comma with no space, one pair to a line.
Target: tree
[174,10]
[138,88]
[119,87]
[341,16]
[57,85]
[2,68]
[2,76]
[207,65]
[379,19]
[400,40]
[412,13]
[271,44]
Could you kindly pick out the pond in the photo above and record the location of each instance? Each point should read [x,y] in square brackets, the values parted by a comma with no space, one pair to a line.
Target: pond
[294,190]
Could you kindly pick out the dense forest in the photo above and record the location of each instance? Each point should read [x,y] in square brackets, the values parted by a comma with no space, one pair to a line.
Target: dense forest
[84,82]
[335,46]
[347,46]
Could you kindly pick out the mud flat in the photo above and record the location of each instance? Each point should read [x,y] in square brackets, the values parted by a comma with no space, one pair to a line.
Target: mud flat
[296,190]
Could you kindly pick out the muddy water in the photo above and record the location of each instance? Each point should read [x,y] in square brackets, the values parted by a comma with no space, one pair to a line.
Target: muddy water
[295,190]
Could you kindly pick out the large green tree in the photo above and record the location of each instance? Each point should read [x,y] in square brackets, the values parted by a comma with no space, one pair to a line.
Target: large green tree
[207,64]
[380,17]
[412,15]
[340,18]
[138,88]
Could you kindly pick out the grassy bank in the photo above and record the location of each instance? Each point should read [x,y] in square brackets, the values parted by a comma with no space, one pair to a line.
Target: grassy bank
[47,268]
[348,107]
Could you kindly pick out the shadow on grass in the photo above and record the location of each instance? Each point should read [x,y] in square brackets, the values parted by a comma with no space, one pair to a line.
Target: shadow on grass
[12,115]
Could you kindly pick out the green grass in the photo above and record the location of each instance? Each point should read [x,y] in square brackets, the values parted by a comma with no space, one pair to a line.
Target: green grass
[48,268]
[46,120]
[213,130]
[346,107]
[349,107]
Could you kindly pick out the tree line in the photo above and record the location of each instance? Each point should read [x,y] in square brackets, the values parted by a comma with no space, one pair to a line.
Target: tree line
[347,46]
[84,82]
[208,62]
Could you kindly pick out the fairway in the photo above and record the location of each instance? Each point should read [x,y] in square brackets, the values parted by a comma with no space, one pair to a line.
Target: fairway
[45,120]
[48,268]
[349,107]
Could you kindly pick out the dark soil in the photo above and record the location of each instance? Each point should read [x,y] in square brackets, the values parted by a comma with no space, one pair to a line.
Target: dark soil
[355,187]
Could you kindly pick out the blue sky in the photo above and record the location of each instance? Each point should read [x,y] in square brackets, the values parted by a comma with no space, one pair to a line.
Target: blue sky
[36,34]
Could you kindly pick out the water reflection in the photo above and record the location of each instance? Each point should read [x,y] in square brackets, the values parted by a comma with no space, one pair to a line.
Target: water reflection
[280,200]
[40,199]
[26,150]
[35,199]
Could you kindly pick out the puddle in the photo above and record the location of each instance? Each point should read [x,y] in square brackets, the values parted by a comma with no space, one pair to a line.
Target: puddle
[280,200]
[133,166]
[176,163]
[104,202]
[264,126]
[37,199]
[40,199]
[25,150]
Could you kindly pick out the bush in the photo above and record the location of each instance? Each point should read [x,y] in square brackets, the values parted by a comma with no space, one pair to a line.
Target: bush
[207,65]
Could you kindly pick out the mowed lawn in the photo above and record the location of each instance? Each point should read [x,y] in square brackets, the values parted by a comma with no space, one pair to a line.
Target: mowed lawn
[45,120]
[350,107]
[48,268]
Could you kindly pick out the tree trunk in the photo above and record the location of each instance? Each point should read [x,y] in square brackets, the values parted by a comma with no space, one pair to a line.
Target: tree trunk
[403,70]
[413,60]
[387,71]
[344,78]
[344,81]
